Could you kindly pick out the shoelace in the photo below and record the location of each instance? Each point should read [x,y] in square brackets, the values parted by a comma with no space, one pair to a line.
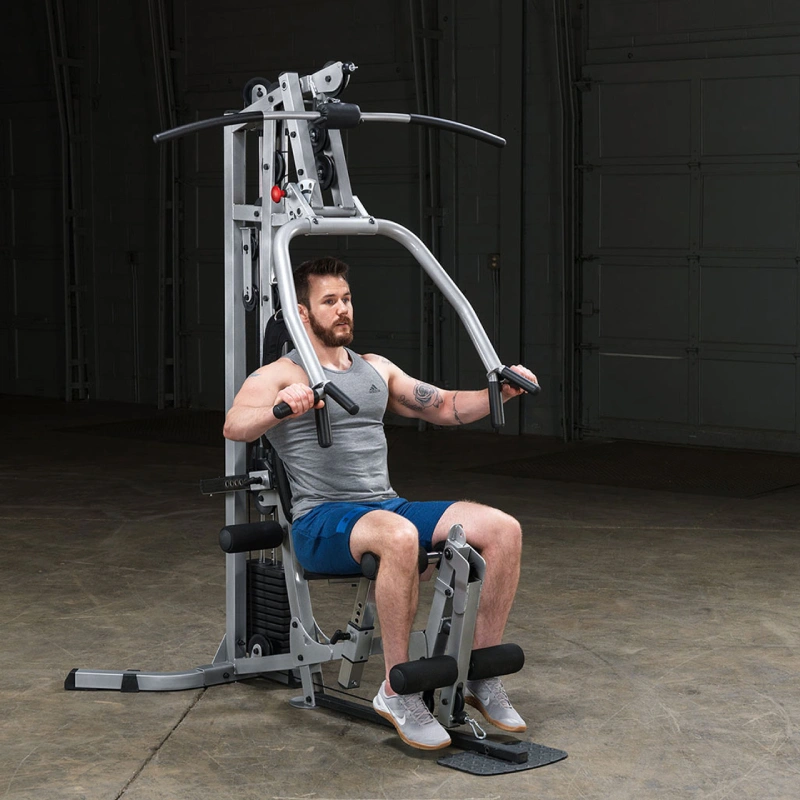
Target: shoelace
[497,691]
[417,708]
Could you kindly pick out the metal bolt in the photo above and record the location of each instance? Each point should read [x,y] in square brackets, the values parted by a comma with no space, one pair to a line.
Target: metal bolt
[283,85]
[327,79]
[301,172]
[269,99]
[293,134]
[294,624]
[246,249]
[300,658]
[226,675]
[256,214]
[266,166]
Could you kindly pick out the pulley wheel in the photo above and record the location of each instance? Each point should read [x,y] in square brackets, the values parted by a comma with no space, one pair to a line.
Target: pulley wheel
[319,137]
[326,171]
[247,91]
[259,646]
[278,168]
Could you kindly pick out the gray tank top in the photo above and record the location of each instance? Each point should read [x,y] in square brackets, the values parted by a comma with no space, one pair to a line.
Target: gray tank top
[354,468]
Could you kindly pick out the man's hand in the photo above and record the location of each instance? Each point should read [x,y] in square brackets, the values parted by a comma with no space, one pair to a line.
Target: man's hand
[299,397]
[510,391]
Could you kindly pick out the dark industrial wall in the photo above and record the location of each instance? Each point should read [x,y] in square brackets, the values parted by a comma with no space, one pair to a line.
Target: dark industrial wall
[636,243]
[691,284]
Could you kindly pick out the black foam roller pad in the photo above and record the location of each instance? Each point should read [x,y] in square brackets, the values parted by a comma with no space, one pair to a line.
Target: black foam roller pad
[489,662]
[251,536]
[423,675]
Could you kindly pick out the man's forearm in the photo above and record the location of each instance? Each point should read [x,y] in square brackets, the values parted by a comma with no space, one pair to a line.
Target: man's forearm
[466,407]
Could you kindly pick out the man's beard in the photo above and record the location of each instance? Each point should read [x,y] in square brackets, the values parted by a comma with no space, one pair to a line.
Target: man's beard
[332,337]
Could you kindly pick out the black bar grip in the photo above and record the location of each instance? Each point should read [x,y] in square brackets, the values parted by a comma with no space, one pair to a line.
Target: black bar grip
[335,393]
[205,124]
[423,675]
[340,115]
[251,536]
[489,662]
[520,381]
[323,420]
[496,403]
[458,127]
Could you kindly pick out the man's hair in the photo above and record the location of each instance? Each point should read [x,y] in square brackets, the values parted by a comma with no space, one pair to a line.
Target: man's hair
[318,266]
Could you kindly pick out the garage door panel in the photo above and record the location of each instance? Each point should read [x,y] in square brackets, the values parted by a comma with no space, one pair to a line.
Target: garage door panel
[748,305]
[747,211]
[732,394]
[645,119]
[644,302]
[644,387]
[751,116]
[644,211]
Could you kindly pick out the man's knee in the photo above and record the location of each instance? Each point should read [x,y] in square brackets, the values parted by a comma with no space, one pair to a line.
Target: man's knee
[506,536]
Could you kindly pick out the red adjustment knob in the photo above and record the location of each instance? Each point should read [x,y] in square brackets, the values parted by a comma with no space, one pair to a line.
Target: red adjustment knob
[277,194]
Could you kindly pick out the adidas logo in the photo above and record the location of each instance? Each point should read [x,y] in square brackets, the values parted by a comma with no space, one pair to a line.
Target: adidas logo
[373,389]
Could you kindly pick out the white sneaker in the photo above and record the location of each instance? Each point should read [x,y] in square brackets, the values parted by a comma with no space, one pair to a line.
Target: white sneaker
[412,719]
[490,698]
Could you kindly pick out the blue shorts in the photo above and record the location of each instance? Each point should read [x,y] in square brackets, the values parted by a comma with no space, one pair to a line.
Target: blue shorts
[321,537]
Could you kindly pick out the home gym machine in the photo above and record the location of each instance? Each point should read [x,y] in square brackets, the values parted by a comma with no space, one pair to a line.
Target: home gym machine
[304,190]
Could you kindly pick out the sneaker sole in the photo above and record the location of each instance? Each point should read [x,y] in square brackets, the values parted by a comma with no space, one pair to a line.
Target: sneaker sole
[417,745]
[475,703]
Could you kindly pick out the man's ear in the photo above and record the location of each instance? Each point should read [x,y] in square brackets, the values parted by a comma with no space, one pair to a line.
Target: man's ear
[303,311]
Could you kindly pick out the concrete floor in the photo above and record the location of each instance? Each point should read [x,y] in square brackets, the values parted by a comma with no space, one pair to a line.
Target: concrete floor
[662,632]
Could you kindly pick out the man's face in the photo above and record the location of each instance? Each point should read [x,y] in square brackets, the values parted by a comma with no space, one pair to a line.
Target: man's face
[330,312]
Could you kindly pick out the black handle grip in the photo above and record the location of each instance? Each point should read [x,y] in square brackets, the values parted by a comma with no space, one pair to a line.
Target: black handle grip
[496,403]
[520,381]
[323,420]
[335,393]
[283,410]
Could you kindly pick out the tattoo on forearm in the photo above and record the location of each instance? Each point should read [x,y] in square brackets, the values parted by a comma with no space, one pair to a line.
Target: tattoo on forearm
[425,396]
[455,412]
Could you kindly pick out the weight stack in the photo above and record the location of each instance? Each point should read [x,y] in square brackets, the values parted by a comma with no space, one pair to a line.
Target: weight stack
[268,604]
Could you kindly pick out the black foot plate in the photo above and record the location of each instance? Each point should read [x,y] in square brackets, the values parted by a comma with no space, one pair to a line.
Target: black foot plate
[480,764]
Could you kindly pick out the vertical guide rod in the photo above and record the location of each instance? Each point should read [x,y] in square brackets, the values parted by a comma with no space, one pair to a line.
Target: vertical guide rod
[235,370]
